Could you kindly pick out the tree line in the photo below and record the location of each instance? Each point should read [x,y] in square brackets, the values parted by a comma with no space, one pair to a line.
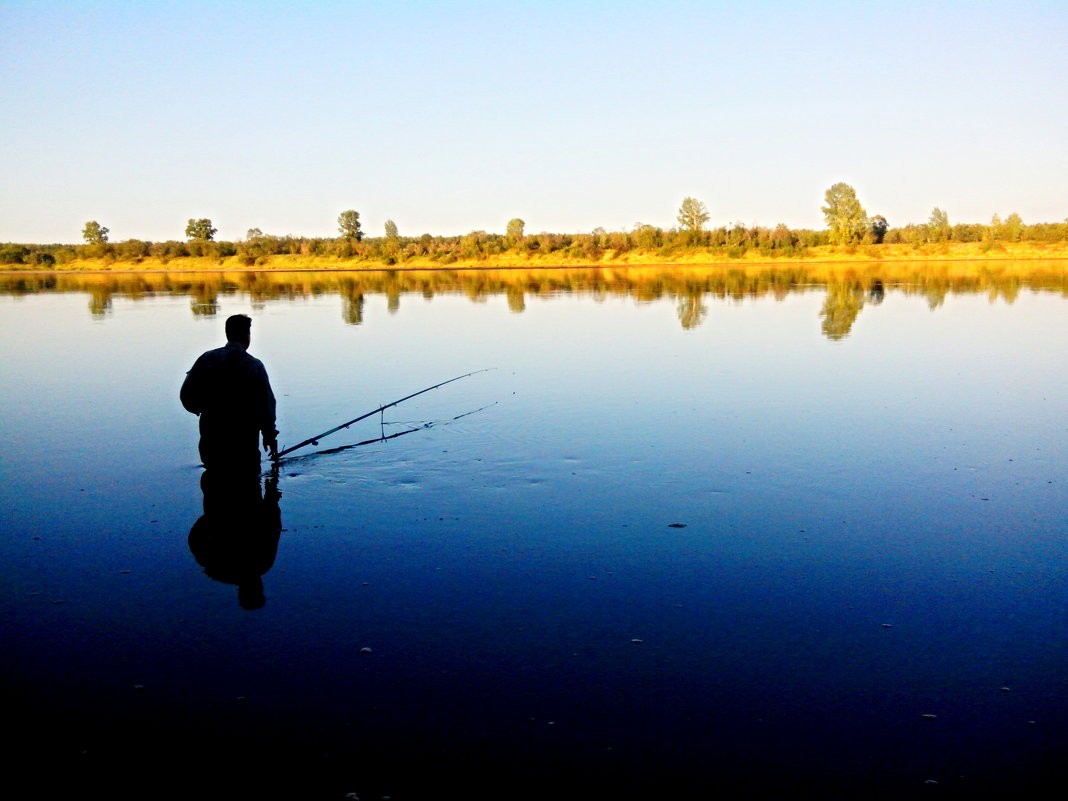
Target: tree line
[848,226]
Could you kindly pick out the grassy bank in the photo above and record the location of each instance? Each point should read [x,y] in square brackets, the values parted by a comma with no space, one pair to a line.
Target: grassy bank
[836,259]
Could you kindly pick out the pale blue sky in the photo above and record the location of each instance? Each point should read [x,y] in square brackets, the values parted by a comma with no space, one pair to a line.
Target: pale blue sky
[451,117]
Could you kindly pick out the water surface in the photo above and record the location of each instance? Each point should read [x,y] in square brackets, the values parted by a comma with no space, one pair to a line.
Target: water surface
[696,533]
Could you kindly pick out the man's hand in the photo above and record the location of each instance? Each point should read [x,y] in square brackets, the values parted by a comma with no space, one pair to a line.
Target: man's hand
[270,444]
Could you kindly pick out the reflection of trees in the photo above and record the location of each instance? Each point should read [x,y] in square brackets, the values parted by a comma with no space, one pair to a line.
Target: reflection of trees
[1008,291]
[936,296]
[517,301]
[840,309]
[352,312]
[99,301]
[393,290]
[848,285]
[876,293]
[205,301]
[691,310]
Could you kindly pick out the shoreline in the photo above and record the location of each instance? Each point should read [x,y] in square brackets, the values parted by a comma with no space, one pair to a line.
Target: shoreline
[302,264]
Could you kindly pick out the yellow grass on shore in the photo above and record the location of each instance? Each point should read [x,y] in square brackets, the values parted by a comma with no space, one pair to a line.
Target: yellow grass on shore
[973,256]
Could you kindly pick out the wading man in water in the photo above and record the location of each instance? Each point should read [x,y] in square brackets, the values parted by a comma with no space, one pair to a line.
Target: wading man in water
[230,392]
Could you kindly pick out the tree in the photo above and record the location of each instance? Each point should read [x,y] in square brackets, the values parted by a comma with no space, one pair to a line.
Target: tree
[348,223]
[253,233]
[391,231]
[1014,227]
[648,237]
[995,230]
[514,231]
[938,225]
[692,216]
[94,233]
[879,227]
[200,229]
[845,216]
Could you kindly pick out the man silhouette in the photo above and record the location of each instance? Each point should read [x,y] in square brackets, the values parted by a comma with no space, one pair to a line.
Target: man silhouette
[231,393]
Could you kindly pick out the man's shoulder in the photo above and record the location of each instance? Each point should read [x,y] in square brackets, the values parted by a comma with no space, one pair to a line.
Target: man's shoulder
[226,356]
[211,356]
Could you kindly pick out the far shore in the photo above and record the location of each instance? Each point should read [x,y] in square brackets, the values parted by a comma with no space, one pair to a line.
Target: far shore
[964,257]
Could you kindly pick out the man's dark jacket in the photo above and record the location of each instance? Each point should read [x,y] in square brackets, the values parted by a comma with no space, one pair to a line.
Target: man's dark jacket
[230,391]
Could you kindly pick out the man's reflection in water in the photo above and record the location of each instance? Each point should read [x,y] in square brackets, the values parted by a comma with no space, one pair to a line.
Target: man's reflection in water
[236,539]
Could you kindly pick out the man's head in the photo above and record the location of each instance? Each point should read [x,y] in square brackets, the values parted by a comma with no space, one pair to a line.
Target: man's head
[239,329]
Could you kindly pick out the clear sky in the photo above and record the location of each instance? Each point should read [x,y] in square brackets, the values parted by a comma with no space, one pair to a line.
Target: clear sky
[449,117]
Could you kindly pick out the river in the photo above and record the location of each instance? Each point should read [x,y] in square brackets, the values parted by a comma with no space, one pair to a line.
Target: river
[689,532]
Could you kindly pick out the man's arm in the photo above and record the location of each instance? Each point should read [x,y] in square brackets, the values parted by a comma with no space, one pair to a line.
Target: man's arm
[267,412]
[191,394]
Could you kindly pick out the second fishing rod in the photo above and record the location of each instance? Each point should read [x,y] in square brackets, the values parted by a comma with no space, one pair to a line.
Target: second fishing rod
[315,439]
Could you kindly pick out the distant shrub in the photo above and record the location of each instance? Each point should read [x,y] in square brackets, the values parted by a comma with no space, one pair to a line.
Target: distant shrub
[132,249]
[13,254]
[65,255]
[41,259]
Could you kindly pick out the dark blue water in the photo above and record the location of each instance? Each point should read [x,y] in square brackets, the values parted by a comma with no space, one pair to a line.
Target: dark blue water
[873,529]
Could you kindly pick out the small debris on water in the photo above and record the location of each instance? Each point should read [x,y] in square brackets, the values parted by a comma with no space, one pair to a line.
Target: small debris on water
[928,716]
[139,686]
[887,625]
[1006,689]
[366,650]
[930,781]
[676,525]
[124,571]
[636,641]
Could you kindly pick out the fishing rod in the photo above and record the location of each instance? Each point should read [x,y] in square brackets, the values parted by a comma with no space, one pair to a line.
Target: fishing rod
[315,440]
[422,427]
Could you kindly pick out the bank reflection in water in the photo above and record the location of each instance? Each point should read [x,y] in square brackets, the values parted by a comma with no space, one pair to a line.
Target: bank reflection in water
[236,539]
[848,285]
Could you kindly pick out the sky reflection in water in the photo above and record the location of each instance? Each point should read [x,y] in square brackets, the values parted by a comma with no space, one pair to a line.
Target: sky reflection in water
[500,566]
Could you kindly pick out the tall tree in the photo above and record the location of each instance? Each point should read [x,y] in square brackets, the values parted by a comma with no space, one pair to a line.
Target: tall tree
[253,233]
[845,216]
[995,230]
[94,233]
[879,227]
[348,223]
[692,216]
[391,231]
[938,225]
[514,232]
[1014,227]
[200,229]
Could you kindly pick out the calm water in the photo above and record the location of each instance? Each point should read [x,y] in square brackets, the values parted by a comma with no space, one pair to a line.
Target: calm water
[870,482]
